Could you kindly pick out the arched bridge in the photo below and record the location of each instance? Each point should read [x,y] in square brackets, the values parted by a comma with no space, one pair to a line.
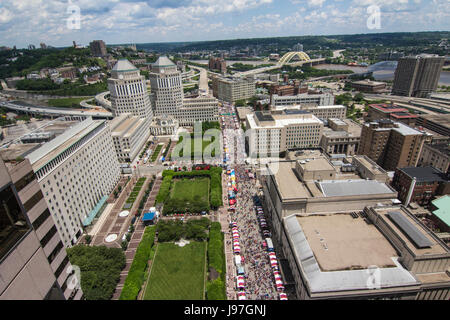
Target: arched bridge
[290,55]
[303,58]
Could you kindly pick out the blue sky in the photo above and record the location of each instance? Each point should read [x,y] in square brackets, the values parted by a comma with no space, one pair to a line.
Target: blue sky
[24,22]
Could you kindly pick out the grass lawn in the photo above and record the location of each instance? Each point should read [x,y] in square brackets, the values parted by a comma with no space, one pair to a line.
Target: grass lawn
[191,190]
[66,102]
[156,152]
[177,273]
[194,152]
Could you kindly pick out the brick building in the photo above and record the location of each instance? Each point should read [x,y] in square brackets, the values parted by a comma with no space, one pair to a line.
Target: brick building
[419,184]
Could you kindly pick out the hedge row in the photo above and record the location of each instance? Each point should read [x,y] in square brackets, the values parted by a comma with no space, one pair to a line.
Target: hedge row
[136,275]
[215,174]
[216,289]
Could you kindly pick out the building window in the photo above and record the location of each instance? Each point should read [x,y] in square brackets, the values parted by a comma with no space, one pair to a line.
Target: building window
[40,220]
[13,225]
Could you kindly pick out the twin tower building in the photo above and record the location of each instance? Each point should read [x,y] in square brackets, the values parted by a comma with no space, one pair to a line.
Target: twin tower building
[129,95]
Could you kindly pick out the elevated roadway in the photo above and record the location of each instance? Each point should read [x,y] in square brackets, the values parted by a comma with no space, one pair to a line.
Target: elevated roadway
[26,108]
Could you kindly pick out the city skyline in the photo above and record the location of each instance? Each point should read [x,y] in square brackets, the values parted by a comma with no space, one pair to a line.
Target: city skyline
[131,21]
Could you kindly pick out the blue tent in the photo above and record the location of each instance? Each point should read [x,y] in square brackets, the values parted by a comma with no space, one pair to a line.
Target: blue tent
[148,218]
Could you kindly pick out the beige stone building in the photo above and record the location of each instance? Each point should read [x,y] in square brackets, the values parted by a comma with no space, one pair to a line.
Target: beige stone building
[272,133]
[233,89]
[76,172]
[129,134]
[341,137]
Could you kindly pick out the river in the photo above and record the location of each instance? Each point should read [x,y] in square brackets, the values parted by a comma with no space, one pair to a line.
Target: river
[381,71]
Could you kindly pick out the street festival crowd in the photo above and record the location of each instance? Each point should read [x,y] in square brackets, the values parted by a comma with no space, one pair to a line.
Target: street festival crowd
[258,276]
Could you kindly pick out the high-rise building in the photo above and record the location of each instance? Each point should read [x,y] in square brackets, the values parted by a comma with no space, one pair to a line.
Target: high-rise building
[298,47]
[76,172]
[217,64]
[98,48]
[417,76]
[166,87]
[274,133]
[128,91]
[168,97]
[391,144]
[303,99]
[232,89]
[33,262]
[43,45]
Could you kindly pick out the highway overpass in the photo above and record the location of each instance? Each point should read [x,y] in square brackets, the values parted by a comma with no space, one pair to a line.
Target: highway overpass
[25,108]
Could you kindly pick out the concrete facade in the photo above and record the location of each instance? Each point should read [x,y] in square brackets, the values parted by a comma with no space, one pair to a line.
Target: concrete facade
[75,171]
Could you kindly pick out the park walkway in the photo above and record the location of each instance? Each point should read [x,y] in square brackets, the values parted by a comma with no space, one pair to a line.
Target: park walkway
[138,233]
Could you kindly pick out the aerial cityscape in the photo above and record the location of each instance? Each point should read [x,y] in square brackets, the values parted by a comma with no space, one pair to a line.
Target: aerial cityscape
[225,150]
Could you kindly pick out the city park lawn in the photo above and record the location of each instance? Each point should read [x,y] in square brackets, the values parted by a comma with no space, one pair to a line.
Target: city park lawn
[193,152]
[177,273]
[191,194]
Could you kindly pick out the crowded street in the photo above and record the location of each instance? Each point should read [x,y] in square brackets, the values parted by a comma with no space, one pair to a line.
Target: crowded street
[255,274]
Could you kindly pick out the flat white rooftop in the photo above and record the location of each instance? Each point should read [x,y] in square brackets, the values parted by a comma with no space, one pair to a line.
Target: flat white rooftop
[336,252]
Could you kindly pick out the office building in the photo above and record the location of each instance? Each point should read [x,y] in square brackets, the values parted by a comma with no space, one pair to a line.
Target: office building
[368,86]
[231,89]
[76,172]
[321,112]
[439,123]
[128,91]
[389,254]
[33,262]
[168,97]
[129,134]
[341,137]
[319,184]
[417,76]
[288,90]
[218,64]
[98,48]
[201,108]
[274,133]
[419,184]
[436,155]
[166,87]
[391,144]
[303,99]
[394,112]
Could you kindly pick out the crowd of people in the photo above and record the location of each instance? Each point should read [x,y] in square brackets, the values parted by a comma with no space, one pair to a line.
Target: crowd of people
[258,274]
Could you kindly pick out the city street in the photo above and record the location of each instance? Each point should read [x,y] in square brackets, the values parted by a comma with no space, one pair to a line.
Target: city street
[259,281]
